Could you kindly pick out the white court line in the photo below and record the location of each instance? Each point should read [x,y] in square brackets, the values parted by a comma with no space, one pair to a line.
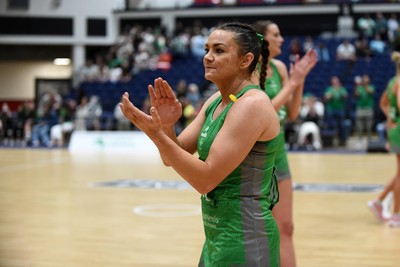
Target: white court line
[167,210]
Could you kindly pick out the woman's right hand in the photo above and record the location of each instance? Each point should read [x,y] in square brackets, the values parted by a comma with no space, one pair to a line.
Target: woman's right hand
[163,98]
[300,69]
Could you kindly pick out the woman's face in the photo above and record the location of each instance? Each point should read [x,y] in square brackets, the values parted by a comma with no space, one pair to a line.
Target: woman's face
[275,39]
[222,59]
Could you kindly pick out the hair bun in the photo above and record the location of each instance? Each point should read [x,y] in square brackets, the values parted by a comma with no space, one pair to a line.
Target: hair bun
[396,56]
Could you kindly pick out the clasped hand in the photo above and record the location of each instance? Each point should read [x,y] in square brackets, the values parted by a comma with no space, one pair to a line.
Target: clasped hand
[300,69]
[164,112]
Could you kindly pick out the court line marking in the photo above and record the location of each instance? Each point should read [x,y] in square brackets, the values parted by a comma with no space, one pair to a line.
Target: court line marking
[183,185]
[167,210]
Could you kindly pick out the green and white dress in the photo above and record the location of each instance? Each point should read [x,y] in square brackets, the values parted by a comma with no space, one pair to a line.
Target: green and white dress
[238,224]
[394,116]
[273,85]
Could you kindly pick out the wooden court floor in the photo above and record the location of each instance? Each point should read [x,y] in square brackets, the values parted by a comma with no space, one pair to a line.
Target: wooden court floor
[53,215]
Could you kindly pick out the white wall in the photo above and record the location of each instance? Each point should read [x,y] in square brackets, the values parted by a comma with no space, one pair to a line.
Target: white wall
[17,79]
[79,10]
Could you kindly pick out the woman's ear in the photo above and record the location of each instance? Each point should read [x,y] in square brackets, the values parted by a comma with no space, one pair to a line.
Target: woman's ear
[246,60]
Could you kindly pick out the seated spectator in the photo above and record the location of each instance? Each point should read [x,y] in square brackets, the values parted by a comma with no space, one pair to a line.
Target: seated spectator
[346,51]
[366,26]
[393,27]
[197,43]
[311,115]
[123,124]
[295,49]
[6,129]
[381,25]
[25,118]
[323,52]
[377,45]
[94,112]
[43,124]
[61,132]
[81,113]
[362,49]
[179,45]
[87,114]
[308,44]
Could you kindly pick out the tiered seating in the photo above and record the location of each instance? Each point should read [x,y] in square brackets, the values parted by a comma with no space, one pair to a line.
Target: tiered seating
[380,69]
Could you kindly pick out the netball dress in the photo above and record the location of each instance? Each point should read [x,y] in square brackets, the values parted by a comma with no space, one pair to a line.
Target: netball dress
[238,224]
[273,86]
[394,116]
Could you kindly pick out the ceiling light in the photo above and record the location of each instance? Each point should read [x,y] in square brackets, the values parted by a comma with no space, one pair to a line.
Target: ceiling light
[62,61]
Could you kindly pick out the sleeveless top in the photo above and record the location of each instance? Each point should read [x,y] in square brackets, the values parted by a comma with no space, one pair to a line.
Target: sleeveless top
[394,116]
[237,219]
[273,86]
[394,113]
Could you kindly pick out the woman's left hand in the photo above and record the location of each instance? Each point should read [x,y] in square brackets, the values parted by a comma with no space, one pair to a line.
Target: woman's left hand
[164,100]
[150,124]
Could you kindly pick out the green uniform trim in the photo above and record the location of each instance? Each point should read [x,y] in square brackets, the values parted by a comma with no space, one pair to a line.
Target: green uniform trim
[394,116]
[239,227]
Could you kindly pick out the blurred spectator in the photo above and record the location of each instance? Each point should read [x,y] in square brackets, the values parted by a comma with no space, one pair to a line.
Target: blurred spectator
[393,27]
[82,114]
[181,88]
[61,132]
[25,118]
[94,113]
[160,41]
[311,116]
[179,45]
[102,73]
[45,120]
[363,49]
[377,45]
[193,94]
[88,72]
[335,97]
[197,42]
[295,49]
[123,124]
[6,128]
[346,51]
[366,26]
[308,44]
[141,59]
[323,52]
[364,95]
[381,26]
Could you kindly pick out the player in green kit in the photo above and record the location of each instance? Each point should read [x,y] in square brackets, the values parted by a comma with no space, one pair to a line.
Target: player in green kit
[390,105]
[236,135]
[286,93]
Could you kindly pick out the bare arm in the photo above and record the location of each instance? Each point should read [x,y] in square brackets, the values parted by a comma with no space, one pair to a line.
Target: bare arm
[230,147]
[384,103]
[291,93]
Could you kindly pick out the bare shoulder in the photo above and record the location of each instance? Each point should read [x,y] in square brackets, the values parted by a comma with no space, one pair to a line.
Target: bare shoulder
[255,102]
[257,105]
[280,65]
